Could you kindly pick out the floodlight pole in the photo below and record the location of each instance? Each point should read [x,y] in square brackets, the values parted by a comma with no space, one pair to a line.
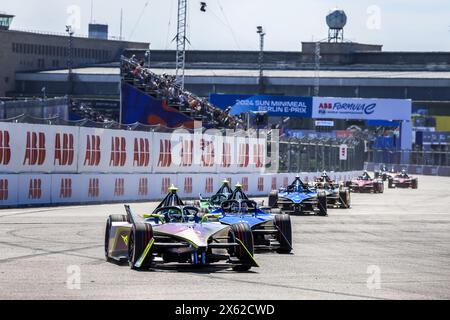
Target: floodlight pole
[261,33]
[181,42]
[70,32]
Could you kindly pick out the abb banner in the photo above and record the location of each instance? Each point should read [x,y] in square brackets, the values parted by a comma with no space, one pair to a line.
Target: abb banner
[31,148]
[38,148]
[29,189]
[115,151]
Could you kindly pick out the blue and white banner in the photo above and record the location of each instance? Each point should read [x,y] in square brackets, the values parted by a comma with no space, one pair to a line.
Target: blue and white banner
[364,109]
[275,106]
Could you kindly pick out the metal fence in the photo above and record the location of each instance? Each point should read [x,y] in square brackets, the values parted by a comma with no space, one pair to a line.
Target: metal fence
[311,155]
[417,158]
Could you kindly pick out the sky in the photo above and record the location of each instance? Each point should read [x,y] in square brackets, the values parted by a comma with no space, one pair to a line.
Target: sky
[399,25]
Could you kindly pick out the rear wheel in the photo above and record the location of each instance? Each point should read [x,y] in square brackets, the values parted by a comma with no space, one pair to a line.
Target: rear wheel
[344,198]
[273,199]
[284,235]
[140,236]
[391,183]
[322,204]
[380,187]
[241,233]
[112,218]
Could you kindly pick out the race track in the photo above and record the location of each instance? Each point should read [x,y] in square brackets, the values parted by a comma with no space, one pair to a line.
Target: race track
[403,234]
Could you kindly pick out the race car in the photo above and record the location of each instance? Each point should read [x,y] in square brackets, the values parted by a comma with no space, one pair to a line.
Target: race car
[383,173]
[403,180]
[175,233]
[208,204]
[338,196]
[270,232]
[299,198]
[365,183]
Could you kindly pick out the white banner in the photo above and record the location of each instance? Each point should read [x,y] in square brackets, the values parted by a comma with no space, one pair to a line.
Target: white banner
[38,148]
[364,109]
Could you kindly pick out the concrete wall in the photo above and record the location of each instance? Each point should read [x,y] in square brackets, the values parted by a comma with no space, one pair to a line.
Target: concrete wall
[25,51]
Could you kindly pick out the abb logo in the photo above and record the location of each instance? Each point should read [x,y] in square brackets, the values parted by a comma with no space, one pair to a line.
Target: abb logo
[285,182]
[65,189]
[141,152]
[165,185]
[165,153]
[226,155]
[5,149]
[188,185]
[244,156]
[35,149]
[258,155]
[94,188]
[245,184]
[260,184]
[274,183]
[4,192]
[326,106]
[186,153]
[35,189]
[207,153]
[93,152]
[119,187]
[209,185]
[118,152]
[64,150]
[143,187]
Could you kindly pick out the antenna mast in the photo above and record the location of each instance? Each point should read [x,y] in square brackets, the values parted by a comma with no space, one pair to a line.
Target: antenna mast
[181,42]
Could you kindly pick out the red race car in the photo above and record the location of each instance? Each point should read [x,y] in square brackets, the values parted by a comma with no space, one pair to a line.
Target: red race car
[402,180]
[365,183]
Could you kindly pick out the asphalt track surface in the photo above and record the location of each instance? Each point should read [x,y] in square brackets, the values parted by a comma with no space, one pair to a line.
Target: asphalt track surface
[403,234]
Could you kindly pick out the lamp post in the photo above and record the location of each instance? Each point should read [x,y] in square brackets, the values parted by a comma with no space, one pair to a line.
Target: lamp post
[70,32]
[260,31]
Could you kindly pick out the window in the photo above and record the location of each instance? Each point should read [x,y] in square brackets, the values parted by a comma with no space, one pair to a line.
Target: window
[14,47]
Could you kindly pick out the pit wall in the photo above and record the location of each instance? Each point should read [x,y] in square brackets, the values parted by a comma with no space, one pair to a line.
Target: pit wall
[412,169]
[50,165]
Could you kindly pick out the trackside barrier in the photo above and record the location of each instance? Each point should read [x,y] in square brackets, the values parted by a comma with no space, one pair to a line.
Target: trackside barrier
[34,148]
[52,189]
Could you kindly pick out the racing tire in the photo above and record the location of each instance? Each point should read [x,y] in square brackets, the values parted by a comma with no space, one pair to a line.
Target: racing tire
[377,175]
[112,218]
[415,184]
[380,187]
[243,233]
[284,235]
[344,199]
[140,236]
[391,183]
[322,204]
[273,199]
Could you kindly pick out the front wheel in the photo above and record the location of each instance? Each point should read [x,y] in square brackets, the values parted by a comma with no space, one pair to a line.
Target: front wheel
[284,235]
[139,256]
[344,197]
[415,184]
[241,234]
[273,199]
[322,204]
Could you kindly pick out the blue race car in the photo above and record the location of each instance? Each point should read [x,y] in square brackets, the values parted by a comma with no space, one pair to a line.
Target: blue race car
[270,232]
[298,198]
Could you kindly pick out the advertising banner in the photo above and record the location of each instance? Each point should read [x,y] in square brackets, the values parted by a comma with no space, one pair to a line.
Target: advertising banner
[364,109]
[38,148]
[9,187]
[275,106]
